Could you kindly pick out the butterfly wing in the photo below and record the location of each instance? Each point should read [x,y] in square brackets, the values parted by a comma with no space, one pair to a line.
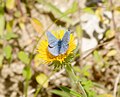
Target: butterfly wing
[52,40]
[53,44]
[65,42]
[54,50]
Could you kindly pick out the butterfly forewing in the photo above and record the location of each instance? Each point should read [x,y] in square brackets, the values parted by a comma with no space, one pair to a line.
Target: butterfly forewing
[53,44]
[52,40]
[65,42]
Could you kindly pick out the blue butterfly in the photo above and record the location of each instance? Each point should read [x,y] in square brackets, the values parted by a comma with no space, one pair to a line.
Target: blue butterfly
[58,46]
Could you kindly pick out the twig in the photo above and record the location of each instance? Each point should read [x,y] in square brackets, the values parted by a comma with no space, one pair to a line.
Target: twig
[116,85]
[88,52]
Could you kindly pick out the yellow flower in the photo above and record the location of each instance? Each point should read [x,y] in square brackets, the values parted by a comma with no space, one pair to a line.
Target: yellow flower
[44,54]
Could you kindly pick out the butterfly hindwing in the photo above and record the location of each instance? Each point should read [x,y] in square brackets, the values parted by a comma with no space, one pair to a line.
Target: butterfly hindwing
[54,50]
[65,42]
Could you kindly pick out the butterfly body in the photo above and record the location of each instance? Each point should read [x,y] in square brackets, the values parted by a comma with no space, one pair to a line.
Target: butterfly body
[58,46]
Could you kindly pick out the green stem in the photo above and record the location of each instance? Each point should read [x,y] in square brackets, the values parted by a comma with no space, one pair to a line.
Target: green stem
[73,78]
[38,90]
[26,87]
[70,73]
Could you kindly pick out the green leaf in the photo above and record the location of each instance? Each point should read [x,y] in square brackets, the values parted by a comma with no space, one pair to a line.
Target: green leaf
[109,34]
[97,56]
[9,26]
[10,4]
[77,68]
[42,79]
[69,91]
[88,84]
[56,11]
[2,21]
[85,70]
[88,10]
[23,57]
[27,73]
[10,35]
[8,51]
[60,93]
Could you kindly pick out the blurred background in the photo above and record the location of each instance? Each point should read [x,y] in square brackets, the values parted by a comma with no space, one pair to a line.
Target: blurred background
[95,25]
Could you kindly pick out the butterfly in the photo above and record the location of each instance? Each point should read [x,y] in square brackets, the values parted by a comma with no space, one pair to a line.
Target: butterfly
[58,46]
